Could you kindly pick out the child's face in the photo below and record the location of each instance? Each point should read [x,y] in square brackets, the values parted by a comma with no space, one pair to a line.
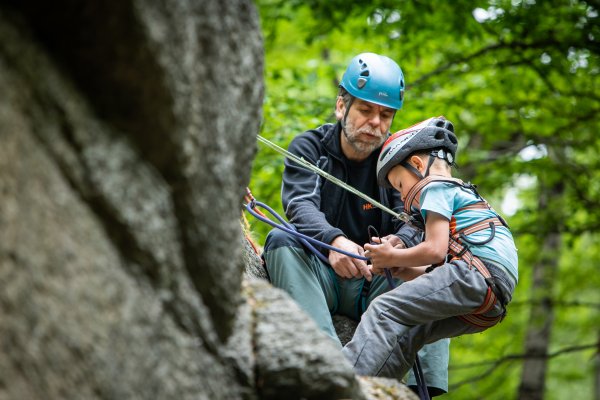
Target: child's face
[402,180]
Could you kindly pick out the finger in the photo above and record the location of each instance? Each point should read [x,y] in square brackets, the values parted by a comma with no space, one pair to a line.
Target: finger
[349,269]
[392,239]
[344,272]
[364,270]
[377,271]
[375,239]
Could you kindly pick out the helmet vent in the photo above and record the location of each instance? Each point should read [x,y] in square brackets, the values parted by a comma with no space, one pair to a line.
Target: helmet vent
[439,135]
[384,153]
[365,73]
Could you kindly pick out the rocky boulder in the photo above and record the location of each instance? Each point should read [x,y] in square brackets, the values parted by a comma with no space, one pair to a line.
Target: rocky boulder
[128,129]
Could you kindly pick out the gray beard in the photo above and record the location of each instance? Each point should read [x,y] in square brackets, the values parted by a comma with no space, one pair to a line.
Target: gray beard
[361,147]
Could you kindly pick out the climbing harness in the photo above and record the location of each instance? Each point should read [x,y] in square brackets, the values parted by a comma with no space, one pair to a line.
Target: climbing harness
[459,247]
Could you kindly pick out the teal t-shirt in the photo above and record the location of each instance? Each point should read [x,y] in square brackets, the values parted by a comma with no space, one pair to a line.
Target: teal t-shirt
[445,198]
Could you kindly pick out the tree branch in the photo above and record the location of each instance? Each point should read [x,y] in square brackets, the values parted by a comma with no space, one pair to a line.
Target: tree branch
[481,52]
[573,303]
[493,364]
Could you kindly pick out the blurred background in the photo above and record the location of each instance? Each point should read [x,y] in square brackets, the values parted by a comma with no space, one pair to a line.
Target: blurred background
[519,80]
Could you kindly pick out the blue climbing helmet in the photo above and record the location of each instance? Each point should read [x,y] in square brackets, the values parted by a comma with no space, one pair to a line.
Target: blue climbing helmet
[376,79]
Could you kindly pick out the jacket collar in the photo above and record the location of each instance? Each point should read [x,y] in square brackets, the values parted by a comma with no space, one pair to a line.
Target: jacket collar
[332,141]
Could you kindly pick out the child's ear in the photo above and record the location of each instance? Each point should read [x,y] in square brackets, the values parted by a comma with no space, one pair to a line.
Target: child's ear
[417,162]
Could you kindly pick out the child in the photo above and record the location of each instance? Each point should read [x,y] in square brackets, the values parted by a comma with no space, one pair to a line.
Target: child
[469,250]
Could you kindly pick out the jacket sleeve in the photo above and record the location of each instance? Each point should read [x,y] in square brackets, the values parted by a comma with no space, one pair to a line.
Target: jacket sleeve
[301,190]
[409,234]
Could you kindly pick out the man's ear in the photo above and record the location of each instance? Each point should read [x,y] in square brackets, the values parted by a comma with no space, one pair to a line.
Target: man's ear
[340,108]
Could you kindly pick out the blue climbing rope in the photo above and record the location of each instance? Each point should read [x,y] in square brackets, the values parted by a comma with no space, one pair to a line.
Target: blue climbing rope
[291,229]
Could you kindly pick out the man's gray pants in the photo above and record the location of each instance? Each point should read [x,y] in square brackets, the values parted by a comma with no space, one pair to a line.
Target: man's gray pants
[321,293]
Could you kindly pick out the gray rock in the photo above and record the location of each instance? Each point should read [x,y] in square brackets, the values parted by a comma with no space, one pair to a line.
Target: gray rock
[254,268]
[128,130]
[344,327]
[239,350]
[385,389]
[294,359]
[120,193]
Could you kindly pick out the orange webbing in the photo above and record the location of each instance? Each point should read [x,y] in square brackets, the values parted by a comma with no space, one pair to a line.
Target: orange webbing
[480,205]
[479,226]
[415,192]
[480,320]
[475,318]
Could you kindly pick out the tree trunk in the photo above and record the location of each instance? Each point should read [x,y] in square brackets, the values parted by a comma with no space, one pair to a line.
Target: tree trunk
[127,132]
[545,272]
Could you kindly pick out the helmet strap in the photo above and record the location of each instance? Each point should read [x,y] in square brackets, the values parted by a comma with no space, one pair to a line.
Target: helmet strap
[412,169]
[415,171]
[429,164]
[343,121]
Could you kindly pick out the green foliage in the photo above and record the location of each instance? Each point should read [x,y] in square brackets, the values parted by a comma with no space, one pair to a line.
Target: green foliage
[519,79]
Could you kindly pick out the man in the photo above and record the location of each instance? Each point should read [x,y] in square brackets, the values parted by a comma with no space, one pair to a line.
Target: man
[371,91]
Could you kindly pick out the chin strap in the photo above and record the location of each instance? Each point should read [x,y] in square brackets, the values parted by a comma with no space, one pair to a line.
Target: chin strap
[343,120]
[441,153]
[412,169]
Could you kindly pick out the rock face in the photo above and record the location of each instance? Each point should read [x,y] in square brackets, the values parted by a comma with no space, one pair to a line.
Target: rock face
[128,130]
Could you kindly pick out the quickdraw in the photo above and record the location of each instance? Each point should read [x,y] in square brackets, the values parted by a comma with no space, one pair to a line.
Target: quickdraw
[459,247]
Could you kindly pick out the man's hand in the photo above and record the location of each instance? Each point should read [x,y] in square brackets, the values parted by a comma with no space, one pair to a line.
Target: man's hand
[346,266]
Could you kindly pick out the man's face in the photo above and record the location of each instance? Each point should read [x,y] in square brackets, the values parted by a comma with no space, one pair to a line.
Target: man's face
[367,125]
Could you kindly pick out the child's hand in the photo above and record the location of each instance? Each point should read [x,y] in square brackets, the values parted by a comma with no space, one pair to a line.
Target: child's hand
[381,255]
[395,241]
